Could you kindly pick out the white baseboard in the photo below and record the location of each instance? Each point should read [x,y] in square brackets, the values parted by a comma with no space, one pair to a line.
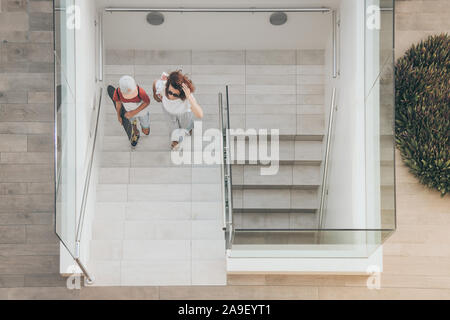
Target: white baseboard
[317,265]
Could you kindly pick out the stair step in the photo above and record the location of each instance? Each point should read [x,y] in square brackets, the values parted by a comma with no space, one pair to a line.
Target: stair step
[141,158]
[274,187]
[276,200]
[281,162]
[160,128]
[288,176]
[275,210]
[290,151]
[160,175]
[274,220]
[152,143]
[286,124]
[150,156]
[158,125]
[206,192]
[288,137]
[248,237]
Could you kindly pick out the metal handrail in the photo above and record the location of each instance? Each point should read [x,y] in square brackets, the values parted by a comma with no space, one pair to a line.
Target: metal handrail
[87,182]
[222,167]
[100,49]
[228,162]
[226,172]
[334,45]
[326,161]
[89,171]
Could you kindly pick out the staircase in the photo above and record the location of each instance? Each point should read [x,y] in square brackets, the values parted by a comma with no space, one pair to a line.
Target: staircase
[161,224]
[290,199]
[287,200]
[156,223]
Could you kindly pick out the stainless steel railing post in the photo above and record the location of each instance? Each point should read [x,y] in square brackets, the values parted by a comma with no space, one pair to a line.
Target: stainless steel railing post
[334,45]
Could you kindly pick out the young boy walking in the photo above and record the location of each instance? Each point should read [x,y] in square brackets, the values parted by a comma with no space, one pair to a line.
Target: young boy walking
[131,104]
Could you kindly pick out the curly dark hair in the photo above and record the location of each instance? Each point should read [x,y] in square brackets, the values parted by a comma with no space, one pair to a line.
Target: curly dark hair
[176,79]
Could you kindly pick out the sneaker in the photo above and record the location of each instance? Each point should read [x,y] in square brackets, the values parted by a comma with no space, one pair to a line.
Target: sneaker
[176,145]
[146,131]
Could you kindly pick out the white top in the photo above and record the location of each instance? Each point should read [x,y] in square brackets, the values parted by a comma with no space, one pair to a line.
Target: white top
[177,106]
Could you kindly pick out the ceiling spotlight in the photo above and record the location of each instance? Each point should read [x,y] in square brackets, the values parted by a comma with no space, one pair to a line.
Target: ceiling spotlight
[278,18]
[155,18]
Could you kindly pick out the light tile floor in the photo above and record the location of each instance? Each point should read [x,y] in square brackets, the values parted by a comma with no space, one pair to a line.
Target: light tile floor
[155,223]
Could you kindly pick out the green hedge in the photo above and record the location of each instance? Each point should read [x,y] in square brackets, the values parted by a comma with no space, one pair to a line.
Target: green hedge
[423,110]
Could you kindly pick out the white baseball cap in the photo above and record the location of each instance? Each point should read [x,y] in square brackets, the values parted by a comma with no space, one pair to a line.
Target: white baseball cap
[128,87]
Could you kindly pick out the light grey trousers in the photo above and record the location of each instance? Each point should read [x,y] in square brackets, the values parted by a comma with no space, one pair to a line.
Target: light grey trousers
[179,124]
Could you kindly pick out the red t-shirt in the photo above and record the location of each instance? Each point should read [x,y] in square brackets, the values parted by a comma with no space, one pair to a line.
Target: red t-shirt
[141,97]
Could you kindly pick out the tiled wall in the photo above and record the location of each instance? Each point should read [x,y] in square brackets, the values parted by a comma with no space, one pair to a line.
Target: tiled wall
[281,89]
[29,249]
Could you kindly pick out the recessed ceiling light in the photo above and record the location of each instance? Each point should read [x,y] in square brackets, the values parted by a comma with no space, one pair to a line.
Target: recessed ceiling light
[155,18]
[278,18]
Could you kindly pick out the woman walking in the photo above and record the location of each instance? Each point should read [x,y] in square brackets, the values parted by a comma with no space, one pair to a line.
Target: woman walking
[179,105]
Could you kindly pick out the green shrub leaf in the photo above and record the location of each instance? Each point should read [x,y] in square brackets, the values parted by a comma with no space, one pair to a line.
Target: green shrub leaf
[422,115]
